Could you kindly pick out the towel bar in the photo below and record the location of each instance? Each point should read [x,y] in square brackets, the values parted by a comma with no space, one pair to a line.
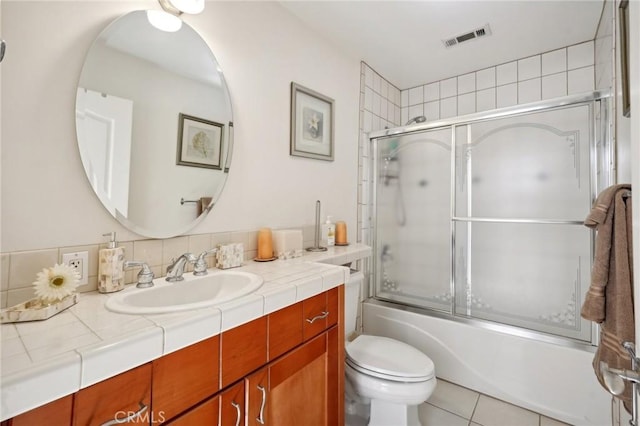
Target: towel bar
[614,380]
[183,201]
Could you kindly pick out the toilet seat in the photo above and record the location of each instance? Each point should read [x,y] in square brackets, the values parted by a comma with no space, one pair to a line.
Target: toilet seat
[388,359]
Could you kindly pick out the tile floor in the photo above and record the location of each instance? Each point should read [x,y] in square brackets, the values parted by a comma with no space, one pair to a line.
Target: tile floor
[453,405]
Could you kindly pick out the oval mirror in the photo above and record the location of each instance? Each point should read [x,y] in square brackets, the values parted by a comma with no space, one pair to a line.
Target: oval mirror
[154,125]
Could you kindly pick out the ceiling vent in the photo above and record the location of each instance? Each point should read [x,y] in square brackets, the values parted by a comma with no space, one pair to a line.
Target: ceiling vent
[472,35]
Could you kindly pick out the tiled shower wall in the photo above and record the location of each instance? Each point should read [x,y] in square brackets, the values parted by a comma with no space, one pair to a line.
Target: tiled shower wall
[561,72]
[557,73]
[379,109]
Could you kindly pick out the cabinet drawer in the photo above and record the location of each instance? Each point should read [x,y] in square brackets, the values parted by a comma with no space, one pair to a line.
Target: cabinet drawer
[244,349]
[333,302]
[285,330]
[125,395]
[184,378]
[319,313]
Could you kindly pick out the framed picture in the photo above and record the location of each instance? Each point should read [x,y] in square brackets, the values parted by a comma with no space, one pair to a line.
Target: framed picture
[199,142]
[624,56]
[311,124]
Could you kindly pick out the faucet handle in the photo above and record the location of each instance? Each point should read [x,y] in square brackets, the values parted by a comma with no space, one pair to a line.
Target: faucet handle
[145,276]
[200,265]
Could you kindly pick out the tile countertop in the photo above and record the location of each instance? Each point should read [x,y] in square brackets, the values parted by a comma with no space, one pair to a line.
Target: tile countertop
[45,360]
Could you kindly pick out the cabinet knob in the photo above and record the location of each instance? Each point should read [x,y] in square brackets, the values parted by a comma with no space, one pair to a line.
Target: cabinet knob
[129,418]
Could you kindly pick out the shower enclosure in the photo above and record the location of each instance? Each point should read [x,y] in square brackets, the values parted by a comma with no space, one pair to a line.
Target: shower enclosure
[480,218]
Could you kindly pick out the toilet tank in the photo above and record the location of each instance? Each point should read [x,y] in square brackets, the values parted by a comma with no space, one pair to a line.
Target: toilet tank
[351,300]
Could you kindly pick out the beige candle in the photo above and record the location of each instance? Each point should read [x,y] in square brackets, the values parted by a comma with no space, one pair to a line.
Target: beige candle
[341,232]
[265,244]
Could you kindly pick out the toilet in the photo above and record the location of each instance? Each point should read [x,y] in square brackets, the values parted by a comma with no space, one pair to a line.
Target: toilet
[385,379]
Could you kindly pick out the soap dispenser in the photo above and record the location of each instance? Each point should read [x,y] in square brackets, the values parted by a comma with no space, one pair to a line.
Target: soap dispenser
[329,233]
[111,266]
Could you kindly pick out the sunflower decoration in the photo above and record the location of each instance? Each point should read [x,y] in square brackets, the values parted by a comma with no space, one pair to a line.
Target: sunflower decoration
[55,283]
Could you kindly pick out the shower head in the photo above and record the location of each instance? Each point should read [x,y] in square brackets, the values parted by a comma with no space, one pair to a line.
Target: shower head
[418,119]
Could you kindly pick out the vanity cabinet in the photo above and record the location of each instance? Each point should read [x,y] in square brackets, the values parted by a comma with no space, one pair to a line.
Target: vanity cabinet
[298,388]
[282,369]
[304,385]
[184,378]
[125,396]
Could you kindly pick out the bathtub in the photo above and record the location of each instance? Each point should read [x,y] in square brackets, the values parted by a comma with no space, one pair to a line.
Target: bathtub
[554,380]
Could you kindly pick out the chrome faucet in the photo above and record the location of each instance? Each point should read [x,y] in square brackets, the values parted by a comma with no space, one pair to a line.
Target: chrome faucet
[145,276]
[200,265]
[176,268]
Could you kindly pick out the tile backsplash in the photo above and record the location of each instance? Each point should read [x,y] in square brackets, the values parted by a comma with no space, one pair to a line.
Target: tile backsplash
[18,270]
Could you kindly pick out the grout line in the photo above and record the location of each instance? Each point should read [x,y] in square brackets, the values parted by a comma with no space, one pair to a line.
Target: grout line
[445,410]
[475,407]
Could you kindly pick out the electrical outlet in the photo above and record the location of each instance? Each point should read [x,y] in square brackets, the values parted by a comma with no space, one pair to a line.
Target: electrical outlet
[80,262]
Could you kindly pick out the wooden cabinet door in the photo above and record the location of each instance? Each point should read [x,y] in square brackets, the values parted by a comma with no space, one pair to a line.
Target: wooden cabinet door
[127,395]
[301,389]
[232,409]
[186,377]
[55,413]
[257,393]
[205,414]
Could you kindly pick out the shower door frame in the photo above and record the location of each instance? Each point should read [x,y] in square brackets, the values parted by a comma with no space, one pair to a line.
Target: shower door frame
[599,113]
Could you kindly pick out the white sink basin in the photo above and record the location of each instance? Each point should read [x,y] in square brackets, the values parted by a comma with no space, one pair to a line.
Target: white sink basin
[192,293]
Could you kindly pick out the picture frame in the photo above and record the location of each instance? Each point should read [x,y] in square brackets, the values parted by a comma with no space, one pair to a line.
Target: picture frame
[623,15]
[199,142]
[312,129]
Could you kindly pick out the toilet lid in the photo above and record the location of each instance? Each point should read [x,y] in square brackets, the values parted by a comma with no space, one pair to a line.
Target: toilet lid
[389,359]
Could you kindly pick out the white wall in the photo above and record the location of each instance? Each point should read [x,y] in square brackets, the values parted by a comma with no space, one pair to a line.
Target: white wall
[46,199]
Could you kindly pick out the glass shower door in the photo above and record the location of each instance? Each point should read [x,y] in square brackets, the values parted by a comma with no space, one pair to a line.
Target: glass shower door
[522,191]
[413,227]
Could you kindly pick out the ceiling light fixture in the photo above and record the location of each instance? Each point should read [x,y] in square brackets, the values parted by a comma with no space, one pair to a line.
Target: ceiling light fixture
[177,7]
[164,21]
[168,19]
